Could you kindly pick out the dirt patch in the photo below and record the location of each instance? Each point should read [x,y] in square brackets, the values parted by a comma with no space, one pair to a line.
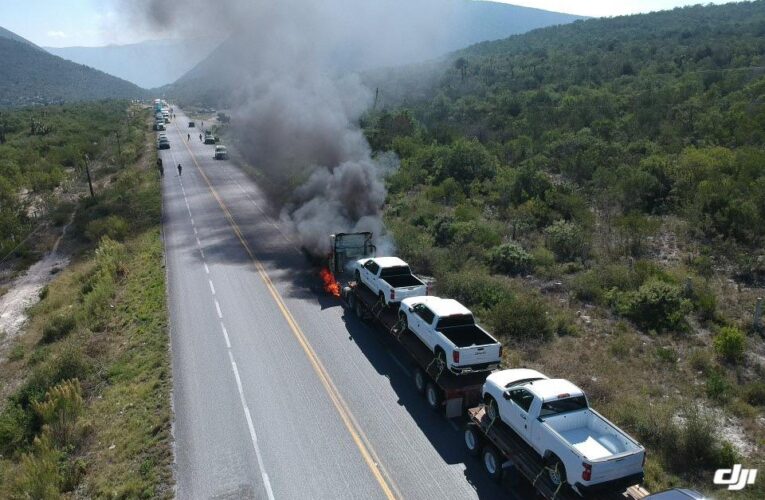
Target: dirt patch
[24,292]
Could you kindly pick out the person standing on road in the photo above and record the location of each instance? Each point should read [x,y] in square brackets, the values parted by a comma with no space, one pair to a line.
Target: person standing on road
[188,137]
[160,167]
[200,137]
[180,169]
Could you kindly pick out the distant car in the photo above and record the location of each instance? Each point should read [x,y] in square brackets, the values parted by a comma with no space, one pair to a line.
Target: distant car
[159,126]
[163,144]
[221,153]
[192,125]
[209,139]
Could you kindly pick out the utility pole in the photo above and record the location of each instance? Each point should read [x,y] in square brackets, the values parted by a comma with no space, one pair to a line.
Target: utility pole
[87,172]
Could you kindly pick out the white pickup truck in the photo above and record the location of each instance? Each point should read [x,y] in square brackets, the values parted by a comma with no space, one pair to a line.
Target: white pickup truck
[579,446]
[390,278]
[449,330]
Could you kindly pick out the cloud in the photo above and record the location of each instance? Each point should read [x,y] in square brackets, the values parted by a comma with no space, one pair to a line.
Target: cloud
[57,34]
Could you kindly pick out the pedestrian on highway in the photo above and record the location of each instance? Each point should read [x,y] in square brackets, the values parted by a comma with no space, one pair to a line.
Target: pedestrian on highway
[203,125]
[188,137]
[160,167]
[200,137]
[180,169]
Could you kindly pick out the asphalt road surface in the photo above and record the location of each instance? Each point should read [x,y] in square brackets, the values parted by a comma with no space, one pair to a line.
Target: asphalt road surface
[278,392]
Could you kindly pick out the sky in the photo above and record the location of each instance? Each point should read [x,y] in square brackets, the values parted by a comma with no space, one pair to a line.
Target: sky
[66,23]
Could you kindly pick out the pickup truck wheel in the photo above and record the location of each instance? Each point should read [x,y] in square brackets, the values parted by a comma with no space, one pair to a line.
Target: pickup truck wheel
[433,396]
[472,440]
[404,322]
[492,411]
[556,471]
[420,380]
[492,462]
[441,355]
[357,277]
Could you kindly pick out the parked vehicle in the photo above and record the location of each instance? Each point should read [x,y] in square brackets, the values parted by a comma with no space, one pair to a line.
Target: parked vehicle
[221,153]
[163,144]
[209,139]
[449,330]
[390,278]
[677,494]
[191,125]
[579,446]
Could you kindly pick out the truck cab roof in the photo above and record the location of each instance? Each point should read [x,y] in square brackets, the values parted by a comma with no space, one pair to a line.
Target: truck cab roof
[554,388]
[440,307]
[388,261]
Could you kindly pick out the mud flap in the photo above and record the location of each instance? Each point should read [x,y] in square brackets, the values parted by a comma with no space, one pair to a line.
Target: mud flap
[453,408]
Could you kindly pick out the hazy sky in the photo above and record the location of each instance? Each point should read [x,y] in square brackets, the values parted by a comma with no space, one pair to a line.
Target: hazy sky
[63,23]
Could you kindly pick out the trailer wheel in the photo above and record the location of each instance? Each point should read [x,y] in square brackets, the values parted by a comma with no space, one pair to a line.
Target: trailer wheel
[420,380]
[433,396]
[472,440]
[492,462]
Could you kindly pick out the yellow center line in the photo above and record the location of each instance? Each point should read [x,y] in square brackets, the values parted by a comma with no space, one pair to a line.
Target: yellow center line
[361,441]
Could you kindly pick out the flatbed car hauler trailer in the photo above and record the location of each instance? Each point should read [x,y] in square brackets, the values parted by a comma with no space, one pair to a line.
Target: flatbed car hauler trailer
[500,449]
[441,387]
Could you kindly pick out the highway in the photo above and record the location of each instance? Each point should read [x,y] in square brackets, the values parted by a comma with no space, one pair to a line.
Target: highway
[278,392]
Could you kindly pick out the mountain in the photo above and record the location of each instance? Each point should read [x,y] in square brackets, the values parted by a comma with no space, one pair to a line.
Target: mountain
[147,64]
[9,35]
[31,76]
[462,22]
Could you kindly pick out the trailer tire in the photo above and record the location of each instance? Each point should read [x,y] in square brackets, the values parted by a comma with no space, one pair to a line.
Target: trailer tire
[492,462]
[556,471]
[433,396]
[420,380]
[472,440]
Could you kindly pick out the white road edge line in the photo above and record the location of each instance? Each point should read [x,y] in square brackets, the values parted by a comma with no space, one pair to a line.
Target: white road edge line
[217,308]
[253,436]
[225,335]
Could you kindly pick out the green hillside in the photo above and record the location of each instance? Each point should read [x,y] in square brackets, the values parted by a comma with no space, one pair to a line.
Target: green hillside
[31,76]
[596,192]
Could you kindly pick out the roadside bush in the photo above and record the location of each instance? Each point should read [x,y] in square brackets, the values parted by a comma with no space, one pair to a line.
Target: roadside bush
[696,447]
[113,226]
[509,258]
[717,386]
[474,288]
[521,318]
[567,241]
[39,476]
[730,343]
[68,363]
[58,327]
[15,429]
[754,394]
[59,411]
[656,305]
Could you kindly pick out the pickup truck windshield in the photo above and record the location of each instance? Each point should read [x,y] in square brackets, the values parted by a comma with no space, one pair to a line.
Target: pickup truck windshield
[455,320]
[395,271]
[562,406]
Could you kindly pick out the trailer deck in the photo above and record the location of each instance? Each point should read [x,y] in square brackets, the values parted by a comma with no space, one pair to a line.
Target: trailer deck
[524,461]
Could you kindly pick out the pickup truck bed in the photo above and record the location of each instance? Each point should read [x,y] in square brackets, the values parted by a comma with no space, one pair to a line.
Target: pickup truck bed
[467,336]
[402,280]
[527,463]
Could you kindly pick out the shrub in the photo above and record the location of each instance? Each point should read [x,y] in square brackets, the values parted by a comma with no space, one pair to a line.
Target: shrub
[59,411]
[730,343]
[39,475]
[656,305]
[567,241]
[717,386]
[509,258]
[474,288]
[523,318]
[113,226]
[58,327]
[697,447]
[754,394]
[15,428]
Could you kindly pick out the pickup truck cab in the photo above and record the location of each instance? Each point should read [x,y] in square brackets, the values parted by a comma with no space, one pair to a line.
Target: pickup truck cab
[389,278]
[579,446]
[449,330]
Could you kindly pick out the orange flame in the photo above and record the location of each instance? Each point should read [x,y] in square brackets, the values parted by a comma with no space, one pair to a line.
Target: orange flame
[331,285]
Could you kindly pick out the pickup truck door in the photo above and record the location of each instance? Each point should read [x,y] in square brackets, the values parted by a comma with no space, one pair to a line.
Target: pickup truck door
[516,412]
[369,273]
[423,319]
